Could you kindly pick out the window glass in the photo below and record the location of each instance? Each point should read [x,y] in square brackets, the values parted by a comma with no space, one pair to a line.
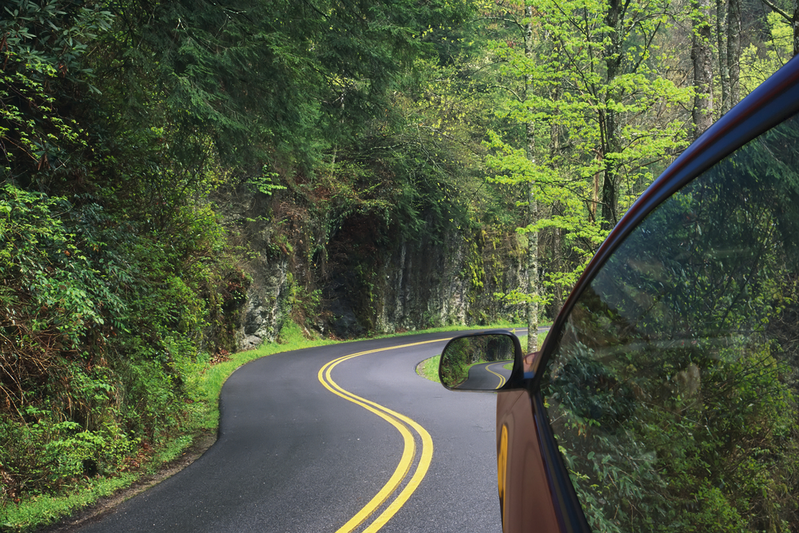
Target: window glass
[673,391]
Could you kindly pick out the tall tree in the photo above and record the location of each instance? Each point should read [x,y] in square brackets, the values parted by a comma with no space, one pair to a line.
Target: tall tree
[701,57]
[614,112]
[734,49]
[721,47]
[532,201]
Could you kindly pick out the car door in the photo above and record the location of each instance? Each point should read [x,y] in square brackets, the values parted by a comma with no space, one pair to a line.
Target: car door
[665,396]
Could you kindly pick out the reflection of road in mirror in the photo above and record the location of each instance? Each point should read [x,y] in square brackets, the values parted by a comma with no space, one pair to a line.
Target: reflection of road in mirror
[481,361]
[487,376]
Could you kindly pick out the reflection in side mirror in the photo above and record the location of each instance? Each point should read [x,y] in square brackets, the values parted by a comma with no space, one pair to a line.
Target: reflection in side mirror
[481,362]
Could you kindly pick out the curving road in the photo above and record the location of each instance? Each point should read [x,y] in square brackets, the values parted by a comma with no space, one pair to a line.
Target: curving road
[336,438]
[487,376]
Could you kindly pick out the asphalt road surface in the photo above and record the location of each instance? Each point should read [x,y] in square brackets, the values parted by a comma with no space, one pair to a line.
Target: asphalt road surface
[337,438]
[487,376]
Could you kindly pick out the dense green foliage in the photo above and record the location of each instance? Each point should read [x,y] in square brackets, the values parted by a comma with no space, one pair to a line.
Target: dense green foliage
[132,132]
[119,124]
[101,318]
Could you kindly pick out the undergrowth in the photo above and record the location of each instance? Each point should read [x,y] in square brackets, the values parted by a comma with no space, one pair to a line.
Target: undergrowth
[200,415]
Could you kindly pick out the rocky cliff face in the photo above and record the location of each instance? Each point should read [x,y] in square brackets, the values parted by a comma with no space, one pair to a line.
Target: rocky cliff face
[424,284]
[365,277]
[262,314]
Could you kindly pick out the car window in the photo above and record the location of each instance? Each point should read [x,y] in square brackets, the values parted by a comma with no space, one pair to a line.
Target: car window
[672,393]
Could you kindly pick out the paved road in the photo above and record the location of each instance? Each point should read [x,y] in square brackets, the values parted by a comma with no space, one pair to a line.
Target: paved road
[487,376]
[295,454]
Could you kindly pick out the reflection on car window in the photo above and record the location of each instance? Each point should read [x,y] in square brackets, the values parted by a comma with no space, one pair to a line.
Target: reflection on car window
[673,392]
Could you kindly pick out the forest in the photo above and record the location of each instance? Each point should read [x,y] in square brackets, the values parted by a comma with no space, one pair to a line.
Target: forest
[181,180]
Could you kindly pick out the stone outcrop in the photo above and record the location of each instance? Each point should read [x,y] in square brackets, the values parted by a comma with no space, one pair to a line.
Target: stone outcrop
[371,279]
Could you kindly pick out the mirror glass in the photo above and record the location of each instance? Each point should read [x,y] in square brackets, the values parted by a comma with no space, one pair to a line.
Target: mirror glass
[478,362]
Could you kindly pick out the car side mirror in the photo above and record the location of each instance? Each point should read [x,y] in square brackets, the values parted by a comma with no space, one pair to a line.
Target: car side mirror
[482,362]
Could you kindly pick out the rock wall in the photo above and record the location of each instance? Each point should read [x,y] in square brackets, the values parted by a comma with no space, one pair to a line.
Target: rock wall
[248,219]
[263,311]
[371,278]
[424,285]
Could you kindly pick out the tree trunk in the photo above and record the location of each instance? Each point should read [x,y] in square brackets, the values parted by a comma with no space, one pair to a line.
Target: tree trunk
[795,25]
[609,200]
[721,46]
[558,261]
[734,49]
[703,67]
[608,123]
[532,205]
[557,238]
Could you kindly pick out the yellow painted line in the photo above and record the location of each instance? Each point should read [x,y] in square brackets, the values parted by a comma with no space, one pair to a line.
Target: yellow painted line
[413,484]
[405,461]
[398,421]
[500,376]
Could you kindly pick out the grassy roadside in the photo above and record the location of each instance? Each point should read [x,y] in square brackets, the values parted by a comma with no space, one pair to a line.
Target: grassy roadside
[201,422]
[201,419]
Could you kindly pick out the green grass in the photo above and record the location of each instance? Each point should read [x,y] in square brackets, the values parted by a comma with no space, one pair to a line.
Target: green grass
[203,385]
[40,510]
[429,368]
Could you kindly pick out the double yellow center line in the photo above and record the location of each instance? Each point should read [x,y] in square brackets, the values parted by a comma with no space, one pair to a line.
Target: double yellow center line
[502,379]
[404,425]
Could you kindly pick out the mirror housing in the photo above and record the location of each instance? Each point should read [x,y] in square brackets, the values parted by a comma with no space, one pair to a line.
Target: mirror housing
[485,361]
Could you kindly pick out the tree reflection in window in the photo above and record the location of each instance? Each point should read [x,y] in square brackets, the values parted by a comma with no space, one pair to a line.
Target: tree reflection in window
[673,392]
